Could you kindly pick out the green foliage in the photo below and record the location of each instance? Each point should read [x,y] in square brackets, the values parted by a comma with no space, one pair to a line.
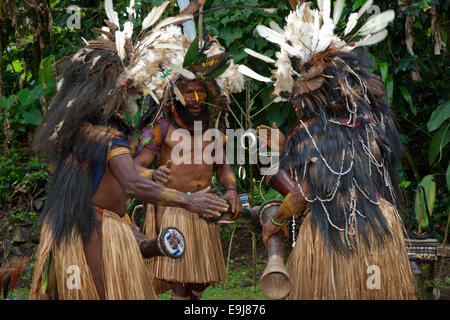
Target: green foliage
[429,194]
[416,84]
[239,285]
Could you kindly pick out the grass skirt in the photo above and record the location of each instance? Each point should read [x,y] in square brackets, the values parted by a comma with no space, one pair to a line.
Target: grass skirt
[57,266]
[203,260]
[381,272]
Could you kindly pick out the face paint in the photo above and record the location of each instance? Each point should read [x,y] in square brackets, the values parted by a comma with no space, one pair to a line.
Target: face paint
[196,96]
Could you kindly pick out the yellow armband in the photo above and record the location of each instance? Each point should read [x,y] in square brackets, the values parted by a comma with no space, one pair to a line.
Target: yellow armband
[118,152]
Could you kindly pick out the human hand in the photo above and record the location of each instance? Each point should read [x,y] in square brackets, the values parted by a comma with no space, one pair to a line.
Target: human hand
[265,134]
[235,203]
[162,174]
[270,229]
[204,202]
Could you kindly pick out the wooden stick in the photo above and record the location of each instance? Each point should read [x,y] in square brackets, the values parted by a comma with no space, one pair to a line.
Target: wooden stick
[241,6]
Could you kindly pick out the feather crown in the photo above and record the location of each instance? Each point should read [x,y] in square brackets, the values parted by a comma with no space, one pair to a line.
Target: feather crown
[153,54]
[210,63]
[309,36]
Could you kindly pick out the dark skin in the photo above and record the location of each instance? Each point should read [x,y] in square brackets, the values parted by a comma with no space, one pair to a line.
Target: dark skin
[121,181]
[293,200]
[194,176]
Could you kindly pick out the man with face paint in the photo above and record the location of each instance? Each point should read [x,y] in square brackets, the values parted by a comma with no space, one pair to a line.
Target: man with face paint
[89,248]
[191,104]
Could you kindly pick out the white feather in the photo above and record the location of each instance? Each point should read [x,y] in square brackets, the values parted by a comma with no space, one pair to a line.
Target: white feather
[85,41]
[111,14]
[259,55]
[289,49]
[320,4]
[326,9]
[316,30]
[252,74]
[365,7]
[171,20]
[128,29]
[372,38]
[152,94]
[185,73]
[325,36]
[154,15]
[179,95]
[276,37]
[167,46]
[120,44]
[275,27]
[270,35]
[338,8]
[377,22]
[351,23]
[130,9]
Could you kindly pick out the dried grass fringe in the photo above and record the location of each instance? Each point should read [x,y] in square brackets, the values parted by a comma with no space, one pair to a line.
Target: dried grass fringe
[203,260]
[125,274]
[68,253]
[319,273]
[159,285]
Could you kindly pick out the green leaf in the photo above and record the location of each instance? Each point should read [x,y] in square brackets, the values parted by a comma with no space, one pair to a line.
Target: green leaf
[46,71]
[231,34]
[447,177]
[16,66]
[358,4]
[438,143]
[192,54]
[430,191]
[384,68]
[37,92]
[390,88]
[438,116]
[7,102]
[408,98]
[25,97]
[277,113]
[32,116]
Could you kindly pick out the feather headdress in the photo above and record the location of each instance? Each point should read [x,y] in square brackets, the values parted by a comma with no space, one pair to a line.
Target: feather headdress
[309,35]
[344,142]
[157,52]
[208,63]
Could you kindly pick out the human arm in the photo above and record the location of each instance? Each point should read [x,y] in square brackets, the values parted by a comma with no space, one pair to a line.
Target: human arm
[144,189]
[227,179]
[293,203]
[272,137]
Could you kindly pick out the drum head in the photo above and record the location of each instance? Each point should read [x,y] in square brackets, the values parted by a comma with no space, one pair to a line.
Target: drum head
[172,242]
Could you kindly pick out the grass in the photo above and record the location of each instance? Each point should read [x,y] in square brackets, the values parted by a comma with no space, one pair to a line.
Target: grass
[239,285]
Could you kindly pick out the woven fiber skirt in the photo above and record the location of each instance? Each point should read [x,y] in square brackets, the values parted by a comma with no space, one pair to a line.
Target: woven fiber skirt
[125,274]
[203,260]
[381,272]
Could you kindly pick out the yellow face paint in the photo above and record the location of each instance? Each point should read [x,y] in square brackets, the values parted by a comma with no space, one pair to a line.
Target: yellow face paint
[196,96]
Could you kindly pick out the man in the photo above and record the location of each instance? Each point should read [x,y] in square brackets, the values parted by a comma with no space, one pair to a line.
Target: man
[88,248]
[338,161]
[186,112]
